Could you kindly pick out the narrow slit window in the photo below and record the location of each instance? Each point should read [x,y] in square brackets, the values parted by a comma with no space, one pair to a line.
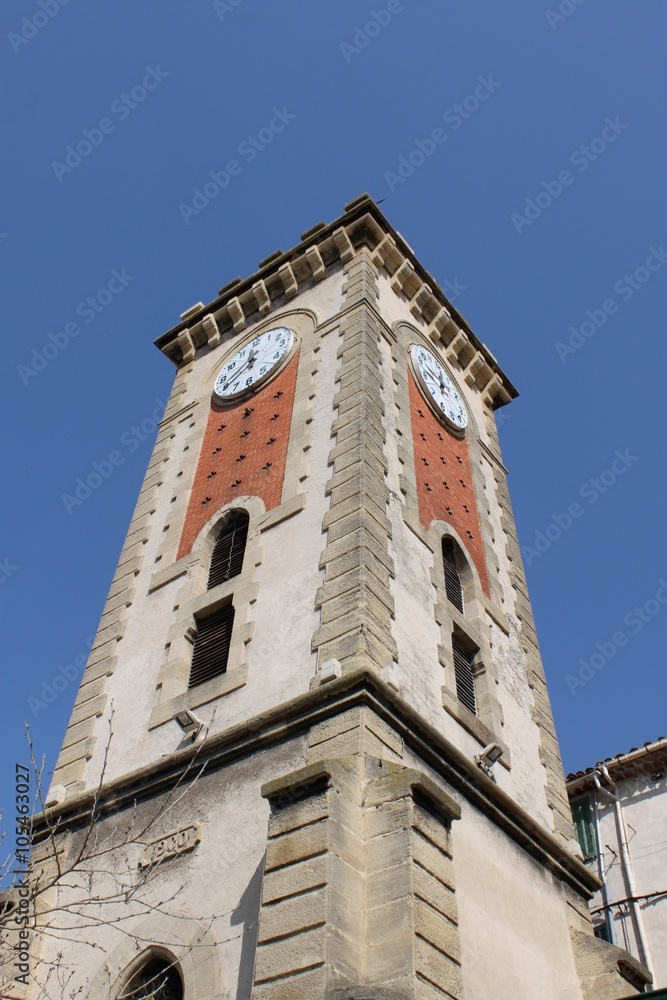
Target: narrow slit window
[227,558]
[211,646]
[465,679]
[453,583]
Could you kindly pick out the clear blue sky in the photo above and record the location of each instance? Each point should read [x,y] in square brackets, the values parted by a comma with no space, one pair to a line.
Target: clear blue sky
[209,75]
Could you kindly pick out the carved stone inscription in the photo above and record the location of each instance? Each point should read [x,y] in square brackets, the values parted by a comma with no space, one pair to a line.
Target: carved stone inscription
[179,842]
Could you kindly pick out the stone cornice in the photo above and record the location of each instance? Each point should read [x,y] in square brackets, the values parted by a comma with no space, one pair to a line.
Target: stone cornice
[323,249]
[361,687]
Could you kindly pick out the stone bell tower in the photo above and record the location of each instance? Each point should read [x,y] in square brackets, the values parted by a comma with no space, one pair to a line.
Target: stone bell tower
[316,690]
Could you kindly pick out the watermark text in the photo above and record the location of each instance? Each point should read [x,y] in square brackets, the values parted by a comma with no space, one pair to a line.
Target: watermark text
[591,491]
[635,620]
[122,107]
[581,158]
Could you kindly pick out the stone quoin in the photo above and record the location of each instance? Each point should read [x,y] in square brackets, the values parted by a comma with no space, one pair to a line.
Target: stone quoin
[313,731]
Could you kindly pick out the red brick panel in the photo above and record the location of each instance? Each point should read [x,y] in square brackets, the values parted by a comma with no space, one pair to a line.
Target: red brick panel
[445,489]
[243,454]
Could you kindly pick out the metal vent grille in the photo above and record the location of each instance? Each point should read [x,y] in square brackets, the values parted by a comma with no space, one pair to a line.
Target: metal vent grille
[211,652]
[465,681]
[227,558]
[453,585]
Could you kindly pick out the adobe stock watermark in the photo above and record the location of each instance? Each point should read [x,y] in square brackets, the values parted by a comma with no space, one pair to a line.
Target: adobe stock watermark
[87,310]
[454,117]
[122,107]
[100,472]
[31,26]
[635,620]
[364,34]
[224,7]
[7,569]
[581,158]
[591,491]
[22,917]
[64,675]
[249,149]
[624,288]
[453,289]
[566,8]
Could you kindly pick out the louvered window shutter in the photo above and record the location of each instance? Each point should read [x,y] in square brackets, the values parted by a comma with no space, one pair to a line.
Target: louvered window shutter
[227,558]
[453,584]
[211,649]
[465,680]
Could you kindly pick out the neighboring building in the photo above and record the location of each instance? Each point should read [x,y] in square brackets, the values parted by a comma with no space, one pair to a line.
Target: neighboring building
[620,818]
[314,732]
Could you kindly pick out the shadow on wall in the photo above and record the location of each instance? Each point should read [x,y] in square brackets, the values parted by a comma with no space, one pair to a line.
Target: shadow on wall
[247,913]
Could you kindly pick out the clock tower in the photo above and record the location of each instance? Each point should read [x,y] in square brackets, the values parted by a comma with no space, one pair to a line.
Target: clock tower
[313,755]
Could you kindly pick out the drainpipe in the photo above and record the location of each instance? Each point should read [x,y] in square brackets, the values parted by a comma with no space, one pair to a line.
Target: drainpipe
[626,864]
[608,913]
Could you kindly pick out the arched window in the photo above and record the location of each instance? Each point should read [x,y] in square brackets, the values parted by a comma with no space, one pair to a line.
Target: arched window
[453,583]
[227,558]
[213,633]
[156,980]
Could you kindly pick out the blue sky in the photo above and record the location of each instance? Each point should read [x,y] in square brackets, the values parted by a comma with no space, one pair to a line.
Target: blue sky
[542,207]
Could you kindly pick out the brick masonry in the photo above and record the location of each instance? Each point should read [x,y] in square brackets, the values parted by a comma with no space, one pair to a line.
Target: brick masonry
[445,488]
[244,452]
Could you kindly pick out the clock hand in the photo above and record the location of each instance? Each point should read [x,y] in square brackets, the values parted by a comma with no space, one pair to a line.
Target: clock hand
[438,375]
[248,364]
[429,371]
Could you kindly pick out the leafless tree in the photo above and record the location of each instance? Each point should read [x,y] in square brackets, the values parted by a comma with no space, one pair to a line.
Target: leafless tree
[81,879]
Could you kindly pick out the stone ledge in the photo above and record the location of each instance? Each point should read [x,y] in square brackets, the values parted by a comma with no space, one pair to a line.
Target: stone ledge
[604,968]
[474,725]
[405,782]
[200,695]
[364,688]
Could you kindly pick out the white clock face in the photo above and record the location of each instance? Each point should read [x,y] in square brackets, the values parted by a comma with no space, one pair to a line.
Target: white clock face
[438,387]
[254,363]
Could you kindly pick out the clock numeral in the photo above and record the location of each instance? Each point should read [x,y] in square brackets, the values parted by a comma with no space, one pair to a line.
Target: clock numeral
[263,369]
[249,381]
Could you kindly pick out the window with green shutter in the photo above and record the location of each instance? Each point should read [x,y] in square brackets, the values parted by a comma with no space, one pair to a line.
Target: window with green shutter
[602,932]
[584,828]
